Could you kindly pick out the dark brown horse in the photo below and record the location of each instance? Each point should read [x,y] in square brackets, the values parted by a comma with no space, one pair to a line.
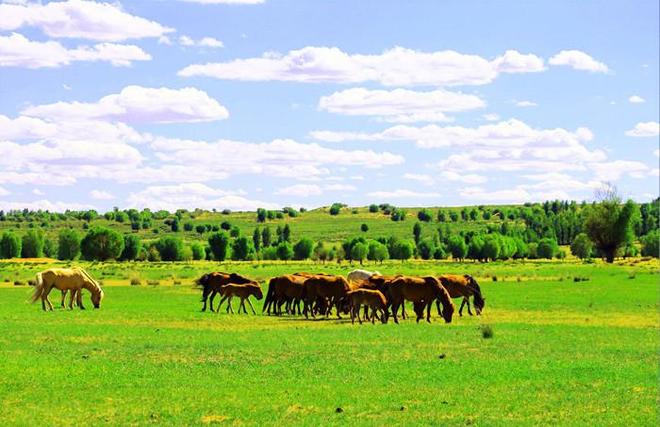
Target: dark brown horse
[463,287]
[422,291]
[288,289]
[212,284]
[332,289]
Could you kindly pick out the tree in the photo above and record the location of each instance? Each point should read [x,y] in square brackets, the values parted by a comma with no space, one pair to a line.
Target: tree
[402,250]
[491,247]
[582,246]
[235,231]
[547,248]
[364,228]
[132,247]
[225,225]
[101,244]
[261,215]
[188,226]
[256,239]
[68,247]
[176,225]
[417,232]
[426,248]
[266,237]
[457,247]
[425,215]
[33,244]
[359,252]
[377,251]
[200,229]
[170,248]
[335,208]
[286,233]
[373,208]
[219,243]
[651,244]
[198,252]
[243,249]
[303,248]
[284,251]
[398,214]
[442,216]
[320,252]
[453,215]
[10,245]
[440,252]
[609,224]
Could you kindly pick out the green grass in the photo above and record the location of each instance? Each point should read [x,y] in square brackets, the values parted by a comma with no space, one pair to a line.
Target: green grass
[562,352]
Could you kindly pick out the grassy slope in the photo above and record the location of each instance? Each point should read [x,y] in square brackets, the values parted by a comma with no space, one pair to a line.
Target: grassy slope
[563,352]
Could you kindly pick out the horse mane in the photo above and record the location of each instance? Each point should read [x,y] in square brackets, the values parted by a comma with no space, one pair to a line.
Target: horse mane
[476,289]
[442,294]
[96,287]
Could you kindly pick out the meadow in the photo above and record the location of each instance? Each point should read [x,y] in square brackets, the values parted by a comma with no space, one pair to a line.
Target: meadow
[572,343]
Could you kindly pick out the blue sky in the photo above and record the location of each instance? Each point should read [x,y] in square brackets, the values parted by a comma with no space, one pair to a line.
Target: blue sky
[245,103]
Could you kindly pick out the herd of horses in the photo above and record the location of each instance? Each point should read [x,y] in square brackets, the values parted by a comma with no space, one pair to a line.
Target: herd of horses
[378,295]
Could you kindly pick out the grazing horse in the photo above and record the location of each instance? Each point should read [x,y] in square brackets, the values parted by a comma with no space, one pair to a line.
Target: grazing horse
[421,291]
[332,289]
[288,289]
[213,282]
[71,300]
[357,276]
[463,286]
[243,292]
[70,279]
[382,283]
[371,299]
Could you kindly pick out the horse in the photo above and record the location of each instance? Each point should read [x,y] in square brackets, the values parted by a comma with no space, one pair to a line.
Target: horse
[420,290]
[213,282]
[243,292]
[371,299]
[332,289]
[71,279]
[357,276]
[71,300]
[463,286]
[382,283]
[288,289]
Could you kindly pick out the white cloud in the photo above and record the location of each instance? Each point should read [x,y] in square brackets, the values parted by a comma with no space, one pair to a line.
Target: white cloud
[43,205]
[300,190]
[339,187]
[526,104]
[38,192]
[203,42]
[612,171]
[657,153]
[136,104]
[399,105]
[4,192]
[18,51]
[402,194]
[516,195]
[578,60]
[225,1]
[636,99]
[421,178]
[463,177]
[101,195]
[645,129]
[491,117]
[191,196]
[79,19]
[394,67]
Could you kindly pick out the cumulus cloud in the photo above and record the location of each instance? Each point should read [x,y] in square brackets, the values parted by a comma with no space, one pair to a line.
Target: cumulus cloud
[300,190]
[203,42]
[101,195]
[191,196]
[645,129]
[421,178]
[79,19]
[4,192]
[399,105]
[18,51]
[402,194]
[225,1]
[136,104]
[394,67]
[491,117]
[526,104]
[463,177]
[636,99]
[43,205]
[578,60]
[614,170]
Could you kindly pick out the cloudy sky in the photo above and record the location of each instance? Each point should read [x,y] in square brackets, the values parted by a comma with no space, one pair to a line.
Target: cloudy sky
[264,103]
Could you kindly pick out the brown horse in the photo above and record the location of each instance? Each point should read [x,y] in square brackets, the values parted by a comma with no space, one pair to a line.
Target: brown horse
[243,292]
[212,283]
[71,279]
[371,299]
[382,283]
[288,289]
[332,289]
[463,287]
[421,291]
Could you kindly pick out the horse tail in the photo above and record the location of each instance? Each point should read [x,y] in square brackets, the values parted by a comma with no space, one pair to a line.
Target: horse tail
[38,289]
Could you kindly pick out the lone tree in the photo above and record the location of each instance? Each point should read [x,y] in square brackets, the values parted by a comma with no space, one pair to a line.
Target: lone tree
[609,224]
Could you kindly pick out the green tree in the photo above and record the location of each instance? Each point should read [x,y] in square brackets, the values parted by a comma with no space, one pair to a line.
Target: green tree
[582,246]
[547,248]
[256,239]
[491,247]
[242,249]
[364,228]
[335,208]
[426,248]
[651,244]
[303,248]
[219,243]
[198,251]
[359,252]
[286,233]
[10,245]
[377,251]
[101,244]
[266,236]
[235,232]
[132,247]
[457,247]
[424,215]
[261,215]
[402,250]
[188,226]
[170,248]
[417,232]
[68,247]
[284,251]
[609,224]
[373,208]
[33,244]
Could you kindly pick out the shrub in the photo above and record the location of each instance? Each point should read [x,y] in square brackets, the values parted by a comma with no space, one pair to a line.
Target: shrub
[100,244]
[303,248]
[373,208]
[426,248]
[335,208]
[225,225]
[457,247]
[33,244]
[359,252]
[651,244]
[170,248]
[135,281]
[582,246]
[219,243]
[132,247]
[377,252]
[243,249]
[547,248]
[188,226]
[364,228]
[284,251]
[10,245]
[200,229]
[425,215]
[198,252]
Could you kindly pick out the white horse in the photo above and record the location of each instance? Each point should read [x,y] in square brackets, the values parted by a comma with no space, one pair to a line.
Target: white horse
[69,279]
[357,276]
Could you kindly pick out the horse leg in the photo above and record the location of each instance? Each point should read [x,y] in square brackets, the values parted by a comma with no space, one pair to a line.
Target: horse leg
[223,299]
[395,308]
[338,308]
[403,309]
[251,306]
[460,310]
[212,297]
[352,314]
[467,300]
[71,297]
[79,299]
[428,311]
[373,315]
[243,305]
[62,304]
[230,309]
[205,295]
[358,312]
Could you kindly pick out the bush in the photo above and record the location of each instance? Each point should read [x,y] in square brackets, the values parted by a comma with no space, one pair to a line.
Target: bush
[225,225]
[651,244]
[457,247]
[377,252]
[402,250]
[426,248]
[132,247]
[135,281]
[303,248]
[198,252]
[359,252]
[101,244]
[284,251]
[200,229]
[547,248]
[364,228]
[440,252]
[188,226]
[10,245]
[398,215]
[335,208]
[425,215]
[33,244]
[243,249]
[219,243]
[582,246]
[373,208]
[170,248]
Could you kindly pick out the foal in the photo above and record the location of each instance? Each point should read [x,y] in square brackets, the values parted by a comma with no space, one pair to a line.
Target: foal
[371,299]
[241,291]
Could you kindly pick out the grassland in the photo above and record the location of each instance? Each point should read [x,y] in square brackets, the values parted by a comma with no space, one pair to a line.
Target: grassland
[563,352]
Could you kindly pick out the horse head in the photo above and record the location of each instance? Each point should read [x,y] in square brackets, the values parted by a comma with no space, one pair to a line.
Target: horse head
[479,300]
[97,297]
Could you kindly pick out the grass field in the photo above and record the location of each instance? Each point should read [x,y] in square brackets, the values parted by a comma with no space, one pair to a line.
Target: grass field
[562,352]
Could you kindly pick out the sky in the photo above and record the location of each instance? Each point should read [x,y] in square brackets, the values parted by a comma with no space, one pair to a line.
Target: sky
[240,104]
